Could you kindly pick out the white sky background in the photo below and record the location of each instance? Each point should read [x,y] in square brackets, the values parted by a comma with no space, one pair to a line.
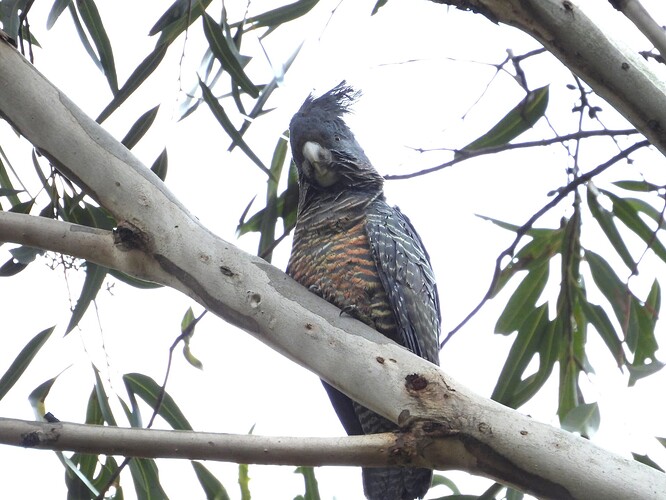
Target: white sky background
[405,105]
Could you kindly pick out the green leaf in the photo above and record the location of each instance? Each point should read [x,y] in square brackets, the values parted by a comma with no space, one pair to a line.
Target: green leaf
[103,399]
[93,22]
[22,361]
[146,479]
[244,481]
[149,390]
[584,419]
[597,317]
[611,287]
[605,220]
[643,186]
[228,127]
[523,349]
[644,344]
[523,300]
[6,183]
[132,281]
[378,5]
[138,76]
[211,485]
[646,460]
[11,268]
[26,255]
[628,214]
[219,45]
[58,7]
[161,165]
[94,279]
[271,212]
[275,17]
[187,326]
[176,19]
[37,397]
[140,127]
[311,486]
[518,120]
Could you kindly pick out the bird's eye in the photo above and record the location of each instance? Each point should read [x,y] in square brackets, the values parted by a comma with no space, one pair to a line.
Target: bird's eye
[337,138]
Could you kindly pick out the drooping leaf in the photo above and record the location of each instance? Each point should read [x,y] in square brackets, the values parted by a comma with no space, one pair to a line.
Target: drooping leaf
[229,128]
[140,127]
[284,14]
[58,8]
[103,399]
[244,481]
[440,480]
[523,349]
[597,317]
[628,214]
[146,477]
[6,183]
[95,275]
[518,120]
[95,26]
[211,485]
[644,345]
[378,5]
[605,220]
[138,76]
[523,300]
[83,36]
[149,390]
[176,20]
[271,212]
[611,287]
[187,325]
[220,46]
[37,398]
[584,419]
[22,361]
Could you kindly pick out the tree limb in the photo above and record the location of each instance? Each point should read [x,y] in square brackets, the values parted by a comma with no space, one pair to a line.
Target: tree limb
[498,442]
[614,72]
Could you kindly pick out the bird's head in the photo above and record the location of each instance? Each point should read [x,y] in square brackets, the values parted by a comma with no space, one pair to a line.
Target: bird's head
[325,151]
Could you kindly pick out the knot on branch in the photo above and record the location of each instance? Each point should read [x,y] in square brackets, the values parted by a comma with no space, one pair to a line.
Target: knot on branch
[127,237]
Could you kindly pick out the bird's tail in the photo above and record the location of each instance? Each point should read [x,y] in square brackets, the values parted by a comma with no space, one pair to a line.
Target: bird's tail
[396,483]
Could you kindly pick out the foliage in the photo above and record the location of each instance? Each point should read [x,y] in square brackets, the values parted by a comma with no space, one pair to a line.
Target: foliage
[549,324]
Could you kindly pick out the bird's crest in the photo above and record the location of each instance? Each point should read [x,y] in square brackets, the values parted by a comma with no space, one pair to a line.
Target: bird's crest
[336,101]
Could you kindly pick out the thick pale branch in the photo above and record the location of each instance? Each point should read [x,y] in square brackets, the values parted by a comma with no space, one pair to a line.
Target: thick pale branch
[494,441]
[616,73]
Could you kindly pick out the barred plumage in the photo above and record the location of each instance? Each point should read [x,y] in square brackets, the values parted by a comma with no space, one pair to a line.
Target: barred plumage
[354,250]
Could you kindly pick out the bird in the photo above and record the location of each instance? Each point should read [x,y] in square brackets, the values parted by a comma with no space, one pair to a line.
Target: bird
[363,255]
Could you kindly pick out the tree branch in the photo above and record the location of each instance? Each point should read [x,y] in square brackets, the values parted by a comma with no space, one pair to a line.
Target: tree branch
[493,440]
[619,75]
[641,18]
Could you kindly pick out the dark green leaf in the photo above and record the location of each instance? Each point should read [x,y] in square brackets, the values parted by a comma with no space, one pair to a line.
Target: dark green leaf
[275,17]
[211,485]
[512,494]
[132,281]
[523,300]
[219,45]
[146,479]
[26,255]
[93,22]
[149,390]
[94,278]
[22,361]
[9,15]
[83,36]
[103,399]
[610,285]
[523,349]
[6,183]
[140,127]
[174,22]
[228,127]
[518,120]
[58,7]
[628,214]
[644,459]
[584,419]
[11,268]
[378,5]
[271,212]
[598,318]
[161,165]
[138,76]
[10,192]
[605,220]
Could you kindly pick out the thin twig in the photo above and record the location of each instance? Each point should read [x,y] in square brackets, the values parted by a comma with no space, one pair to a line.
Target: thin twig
[522,230]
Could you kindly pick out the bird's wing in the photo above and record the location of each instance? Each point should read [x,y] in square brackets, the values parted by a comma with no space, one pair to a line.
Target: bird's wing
[406,274]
